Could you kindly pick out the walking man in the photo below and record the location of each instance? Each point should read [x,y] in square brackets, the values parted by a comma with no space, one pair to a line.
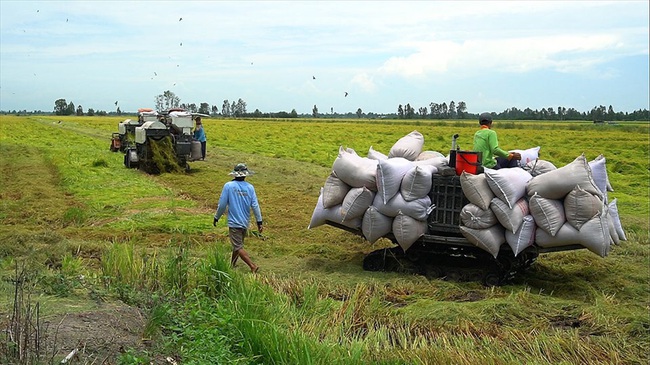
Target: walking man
[239,197]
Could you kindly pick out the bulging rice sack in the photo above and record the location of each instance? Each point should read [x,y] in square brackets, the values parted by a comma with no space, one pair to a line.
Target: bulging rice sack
[375,225]
[334,191]
[438,162]
[321,215]
[558,183]
[528,155]
[408,147]
[508,185]
[599,174]
[356,201]
[580,206]
[425,155]
[389,176]
[539,167]
[523,237]
[510,218]
[548,213]
[417,209]
[417,182]
[472,216]
[476,189]
[594,235]
[354,170]
[376,155]
[613,212]
[407,230]
[489,239]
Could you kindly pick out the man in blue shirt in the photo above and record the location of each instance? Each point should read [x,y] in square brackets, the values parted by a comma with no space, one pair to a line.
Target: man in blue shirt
[239,196]
[199,135]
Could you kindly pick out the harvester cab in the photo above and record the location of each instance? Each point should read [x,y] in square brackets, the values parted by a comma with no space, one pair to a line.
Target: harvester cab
[125,135]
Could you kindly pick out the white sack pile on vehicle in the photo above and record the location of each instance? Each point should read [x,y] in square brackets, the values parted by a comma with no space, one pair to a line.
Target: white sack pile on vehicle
[381,193]
[542,205]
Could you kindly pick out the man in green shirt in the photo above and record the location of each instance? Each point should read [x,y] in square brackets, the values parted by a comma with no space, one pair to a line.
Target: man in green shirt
[486,142]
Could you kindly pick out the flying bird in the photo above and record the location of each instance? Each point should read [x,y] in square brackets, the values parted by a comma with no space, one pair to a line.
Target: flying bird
[155,74]
[180,19]
[313,77]
[116,103]
[181,44]
[346,94]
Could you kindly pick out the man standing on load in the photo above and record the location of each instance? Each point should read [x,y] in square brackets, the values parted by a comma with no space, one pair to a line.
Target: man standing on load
[486,142]
[239,196]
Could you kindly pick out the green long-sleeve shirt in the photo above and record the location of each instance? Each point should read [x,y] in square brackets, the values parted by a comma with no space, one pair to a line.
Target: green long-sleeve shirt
[486,142]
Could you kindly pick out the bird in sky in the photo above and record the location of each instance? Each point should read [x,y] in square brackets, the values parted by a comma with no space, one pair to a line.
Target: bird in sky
[116,103]
[180,19]
[181,44]
[155,73]
[346,94]
[313,77]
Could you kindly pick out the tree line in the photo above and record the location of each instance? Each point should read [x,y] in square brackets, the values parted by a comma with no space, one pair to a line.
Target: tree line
[452,110]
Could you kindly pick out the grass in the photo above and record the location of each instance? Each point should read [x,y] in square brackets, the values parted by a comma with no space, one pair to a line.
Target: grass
[70,208]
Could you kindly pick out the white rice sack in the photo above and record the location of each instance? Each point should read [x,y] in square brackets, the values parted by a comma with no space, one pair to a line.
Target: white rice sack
[581,206]
[510,218]
[418,209]
[616,219]
[508,185]
[408,230]
[539,167]
[334,191]
[489,239]
[438,162]
[417,182]
[558,183]
[524,237]
[548,213]
[615,240]
[408,147]
[356,202]
[425,155]
[389,176]
[476,189]
[354,170]
[599,174]
[594,235]
[376,155]
[528,155]
[333,214]
[375,225]
[609,186]
[472,216]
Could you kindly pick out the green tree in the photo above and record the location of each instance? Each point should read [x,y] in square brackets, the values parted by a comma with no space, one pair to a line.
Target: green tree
[60,107]
[167,100]
[91,112]
[80,110]
[204,108]
[359,113]
[452,110]
[461,110]
[400,112]
[294,113]
[215,110]
[225,108]
[314,111]
[119,111]
[70,109]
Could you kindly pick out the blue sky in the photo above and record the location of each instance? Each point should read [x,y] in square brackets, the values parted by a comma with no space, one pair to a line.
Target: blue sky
[279,56]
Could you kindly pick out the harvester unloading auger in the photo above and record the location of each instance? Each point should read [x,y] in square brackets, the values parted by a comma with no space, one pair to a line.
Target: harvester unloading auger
[463,222]
[162,141]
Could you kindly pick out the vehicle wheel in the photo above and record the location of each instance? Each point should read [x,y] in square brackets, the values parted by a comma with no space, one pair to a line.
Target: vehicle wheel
[492,279]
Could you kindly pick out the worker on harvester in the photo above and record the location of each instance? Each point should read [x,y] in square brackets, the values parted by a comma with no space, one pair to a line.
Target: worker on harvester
[486,142]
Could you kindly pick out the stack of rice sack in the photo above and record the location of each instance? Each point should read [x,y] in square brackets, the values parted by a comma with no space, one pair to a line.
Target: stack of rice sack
[381,194]
[543,205]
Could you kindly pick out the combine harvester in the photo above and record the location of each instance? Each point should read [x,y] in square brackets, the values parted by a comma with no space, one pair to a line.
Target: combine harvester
[162,141]
[461,223]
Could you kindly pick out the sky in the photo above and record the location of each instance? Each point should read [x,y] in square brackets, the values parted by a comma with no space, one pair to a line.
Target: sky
[286,55]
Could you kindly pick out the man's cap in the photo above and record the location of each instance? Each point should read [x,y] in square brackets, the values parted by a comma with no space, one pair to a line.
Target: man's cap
[241,170]
[485,116]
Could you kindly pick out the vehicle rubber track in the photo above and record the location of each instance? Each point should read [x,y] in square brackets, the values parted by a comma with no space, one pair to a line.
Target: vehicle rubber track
[455,263]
